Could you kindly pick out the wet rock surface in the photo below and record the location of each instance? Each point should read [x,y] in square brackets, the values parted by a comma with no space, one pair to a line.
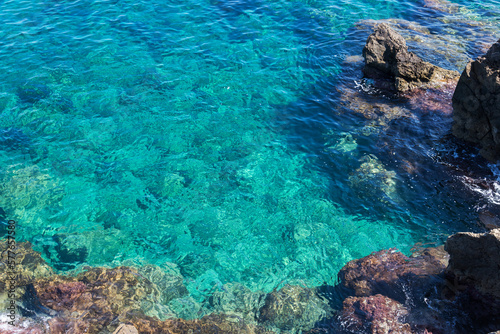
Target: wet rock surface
[237,299]
[476,103]
[475,260]
[293,307]
[29,265]
[390,273]
[387,56]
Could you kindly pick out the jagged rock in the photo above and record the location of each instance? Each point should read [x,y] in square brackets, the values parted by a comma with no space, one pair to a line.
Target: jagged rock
[293,307]
[214,323]
[28,267]
[386,56]
[237,299]
[126,329]
[390,273]
[475,260]
[476,103]
[92,300]
[373,315]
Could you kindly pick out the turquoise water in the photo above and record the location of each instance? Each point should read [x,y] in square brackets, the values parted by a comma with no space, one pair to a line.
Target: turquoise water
[211,135]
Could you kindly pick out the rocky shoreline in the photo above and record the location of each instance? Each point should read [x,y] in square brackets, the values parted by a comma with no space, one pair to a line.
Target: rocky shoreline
[450,289]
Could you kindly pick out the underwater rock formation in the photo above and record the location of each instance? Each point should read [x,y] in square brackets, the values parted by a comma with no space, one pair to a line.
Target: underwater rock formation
[293,307]
[387,56]
[237,299]
[476,103]
[475,260]
[214,323]
[390,273]
[372,179]
[92,300]
[373,314]
[29,265]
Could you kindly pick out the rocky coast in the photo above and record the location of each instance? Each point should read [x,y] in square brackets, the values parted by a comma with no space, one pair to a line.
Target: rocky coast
[454,288]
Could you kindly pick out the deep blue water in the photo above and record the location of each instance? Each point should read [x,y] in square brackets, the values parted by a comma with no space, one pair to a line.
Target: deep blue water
[229,140]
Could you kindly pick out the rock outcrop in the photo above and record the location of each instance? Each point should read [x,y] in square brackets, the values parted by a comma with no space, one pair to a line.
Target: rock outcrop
[476,104]
[387,57]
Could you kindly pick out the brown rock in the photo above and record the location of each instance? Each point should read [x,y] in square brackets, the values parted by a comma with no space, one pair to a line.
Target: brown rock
[214,323]
[293,307]
[386,56]
[476,103]
[475,260]
[374,314]
[28,265]
[384,272]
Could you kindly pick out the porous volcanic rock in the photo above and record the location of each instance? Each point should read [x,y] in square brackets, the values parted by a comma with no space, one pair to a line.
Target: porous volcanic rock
[293,307]
[475,260]
[28,265]
[92,300]
[374,314]
[390,273]
[387,56]
[476,103]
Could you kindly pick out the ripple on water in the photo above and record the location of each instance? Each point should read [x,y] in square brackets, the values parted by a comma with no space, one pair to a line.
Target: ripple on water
[211,135]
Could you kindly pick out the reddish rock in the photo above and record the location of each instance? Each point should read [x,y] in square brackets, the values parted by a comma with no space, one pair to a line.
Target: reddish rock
[387,56]
[432,100]
[374,315]
[384,272]
[475,260]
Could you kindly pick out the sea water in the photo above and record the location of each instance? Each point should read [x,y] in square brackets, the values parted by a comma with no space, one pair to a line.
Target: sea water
[211,135]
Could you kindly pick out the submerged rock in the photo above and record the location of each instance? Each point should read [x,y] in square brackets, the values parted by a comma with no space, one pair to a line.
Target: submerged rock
[489,220]
[126,329]
[32,92]
[387,56]
[211,324]
[294,307]
[390,273]
[29,265]
[476,104]
[92,300]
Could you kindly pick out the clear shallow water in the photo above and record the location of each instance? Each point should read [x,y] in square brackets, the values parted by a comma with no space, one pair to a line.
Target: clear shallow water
[212,135]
